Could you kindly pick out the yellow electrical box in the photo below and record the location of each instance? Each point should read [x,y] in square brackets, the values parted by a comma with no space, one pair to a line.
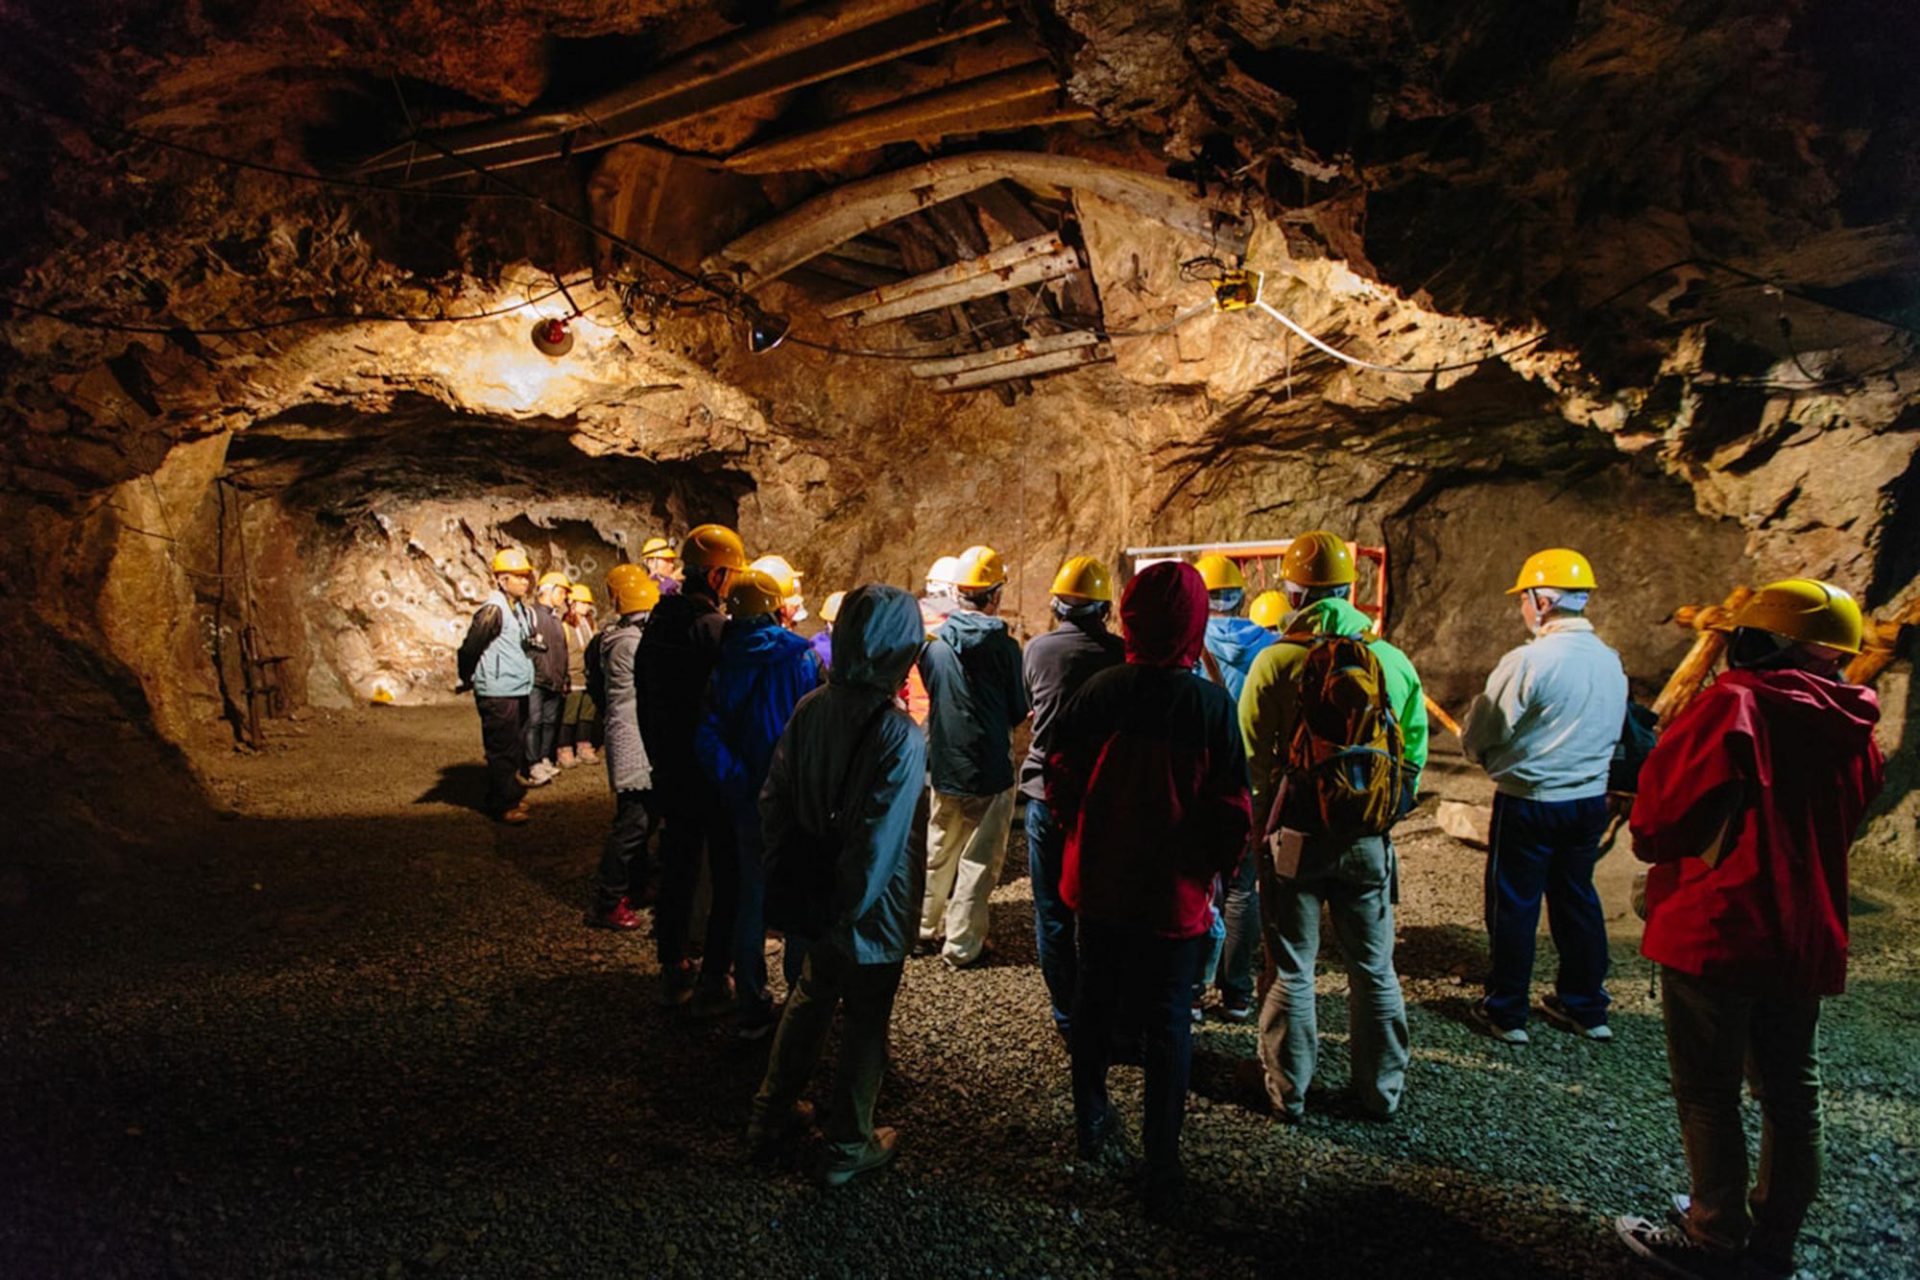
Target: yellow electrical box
[1236,290]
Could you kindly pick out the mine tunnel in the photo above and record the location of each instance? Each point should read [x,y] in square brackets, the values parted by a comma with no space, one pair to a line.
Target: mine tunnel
[312,318]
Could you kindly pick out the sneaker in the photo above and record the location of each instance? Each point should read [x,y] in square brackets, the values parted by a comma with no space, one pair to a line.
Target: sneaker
[756,1019]
[1670,1249]
[564,756]
[516,815]
[1199,1015]
[536,776]
[1483,1018]
[954,962]
[766,1139]
[878,1155]
[1105,1146]
[1237,1012]
[1558,1015]
[587,755]
[619,916]
[676,984]
[713,1000]
[927,947]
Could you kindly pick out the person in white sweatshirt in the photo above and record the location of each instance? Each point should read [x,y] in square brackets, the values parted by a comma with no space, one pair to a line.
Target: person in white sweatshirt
[1545,731]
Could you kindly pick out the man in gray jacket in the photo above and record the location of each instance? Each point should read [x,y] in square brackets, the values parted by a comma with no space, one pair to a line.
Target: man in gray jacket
[849,764]
[1545,729]
[634,593]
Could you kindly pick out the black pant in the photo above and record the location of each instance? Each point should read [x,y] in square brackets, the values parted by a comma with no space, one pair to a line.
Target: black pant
[695,821]
[503,731]
[632,824]
[1130,976]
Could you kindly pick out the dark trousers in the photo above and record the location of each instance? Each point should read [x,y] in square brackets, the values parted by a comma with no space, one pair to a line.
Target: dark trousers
[1546,847]
[1052,917]
[503,736]
[695,825]
[627,842]
[1715,1036]
[864,993]
[1132,976]
[543,724]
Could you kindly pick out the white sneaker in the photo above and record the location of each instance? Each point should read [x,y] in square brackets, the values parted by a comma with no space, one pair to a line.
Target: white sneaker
[543,773]
[1505,1035]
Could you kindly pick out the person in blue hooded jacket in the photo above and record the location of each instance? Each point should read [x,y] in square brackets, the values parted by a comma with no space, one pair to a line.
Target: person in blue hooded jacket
[852,763]
[762,673]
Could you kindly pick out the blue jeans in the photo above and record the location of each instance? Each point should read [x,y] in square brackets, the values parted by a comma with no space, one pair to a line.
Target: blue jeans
[1133,977]
[1546,847]
[543,724]
[1052,918]
[1239,904]
[750,919]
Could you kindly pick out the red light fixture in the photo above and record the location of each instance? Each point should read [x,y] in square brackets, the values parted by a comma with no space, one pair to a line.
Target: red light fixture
[552,338]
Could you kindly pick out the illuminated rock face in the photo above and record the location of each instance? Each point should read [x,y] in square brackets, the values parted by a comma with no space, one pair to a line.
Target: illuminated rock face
[374,464]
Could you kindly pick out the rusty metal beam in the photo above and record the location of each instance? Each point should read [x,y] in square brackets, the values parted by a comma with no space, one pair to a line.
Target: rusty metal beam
[1045,257]
[1029,95]
[836,216]
[817,43]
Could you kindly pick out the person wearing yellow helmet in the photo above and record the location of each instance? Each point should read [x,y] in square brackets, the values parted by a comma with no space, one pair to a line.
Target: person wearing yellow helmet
[609,680]
[1269,610]
[1545,729]
[793,605]
[674,663]
[976,696]
[659,557]
[1055,666]
[1747,807]
[579,713]
[496,662]
[762,672]
[823,639]
[548,697]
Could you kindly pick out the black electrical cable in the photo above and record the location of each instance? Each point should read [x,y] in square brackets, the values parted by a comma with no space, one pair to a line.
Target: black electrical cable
[287,322]
[236,162]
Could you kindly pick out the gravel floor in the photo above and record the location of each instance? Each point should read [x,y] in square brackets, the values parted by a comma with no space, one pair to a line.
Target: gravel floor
[358,1030]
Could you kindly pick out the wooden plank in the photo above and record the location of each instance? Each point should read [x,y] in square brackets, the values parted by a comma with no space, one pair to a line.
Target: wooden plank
[1003,355]
[999,260]
[817,43]
[872,252]
[858,274]
[836,216]
[1005,204]
[1032,271]
[1053,362]
[1024,95]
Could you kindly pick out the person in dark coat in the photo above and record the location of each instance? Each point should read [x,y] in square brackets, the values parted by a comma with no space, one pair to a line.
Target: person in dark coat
[549,693]
[763,672]
[1149,781]
[673,664]
[1747,809]
[1057,664]
[850,758]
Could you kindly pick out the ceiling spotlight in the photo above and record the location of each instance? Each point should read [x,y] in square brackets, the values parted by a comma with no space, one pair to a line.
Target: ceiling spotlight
[552,338]
[765,330]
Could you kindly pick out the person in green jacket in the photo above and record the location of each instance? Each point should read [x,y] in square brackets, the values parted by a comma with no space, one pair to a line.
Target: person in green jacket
[1354,876]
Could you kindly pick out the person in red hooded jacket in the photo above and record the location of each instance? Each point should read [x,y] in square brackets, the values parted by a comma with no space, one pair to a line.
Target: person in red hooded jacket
[1746,810]
[1148,778]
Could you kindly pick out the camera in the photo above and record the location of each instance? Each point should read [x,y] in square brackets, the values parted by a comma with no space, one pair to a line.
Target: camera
[534,642]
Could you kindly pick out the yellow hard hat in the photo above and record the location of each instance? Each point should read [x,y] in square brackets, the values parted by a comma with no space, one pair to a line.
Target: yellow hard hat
[580,593]
[512,560]
[713,546]
[1220,573]
[753,593]
[980,570]
[554,578]
[1318,559]
[777,568]
[1558,568]
[830,609]
[1267,609]
[1807,610]
[1084,578]
[632,588]
[658,549]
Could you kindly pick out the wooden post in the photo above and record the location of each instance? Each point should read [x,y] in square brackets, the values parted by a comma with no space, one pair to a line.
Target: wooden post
[1708,645]
[1883,640]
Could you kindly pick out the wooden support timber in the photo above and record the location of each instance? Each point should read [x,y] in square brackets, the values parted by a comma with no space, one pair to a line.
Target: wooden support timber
[816,43]
[1882,642]
[1037,355]
[1712,624]
[830,219]
[1024,96]
[1028,262]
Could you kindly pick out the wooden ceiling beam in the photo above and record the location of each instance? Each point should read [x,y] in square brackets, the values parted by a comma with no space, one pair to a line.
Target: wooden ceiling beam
[1045,257]
[1021,360]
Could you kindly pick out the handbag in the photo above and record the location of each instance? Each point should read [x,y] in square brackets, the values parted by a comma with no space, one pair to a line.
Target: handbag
[804,867]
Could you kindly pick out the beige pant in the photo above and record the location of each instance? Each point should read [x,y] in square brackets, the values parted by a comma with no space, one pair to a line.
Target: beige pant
[966,843]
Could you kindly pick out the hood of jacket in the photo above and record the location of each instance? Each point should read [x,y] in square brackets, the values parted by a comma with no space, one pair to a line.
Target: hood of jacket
[1330,617]
[1234,641]
[967,629]
[1817,712]
[1164,613]
[760,642]
[876,638]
